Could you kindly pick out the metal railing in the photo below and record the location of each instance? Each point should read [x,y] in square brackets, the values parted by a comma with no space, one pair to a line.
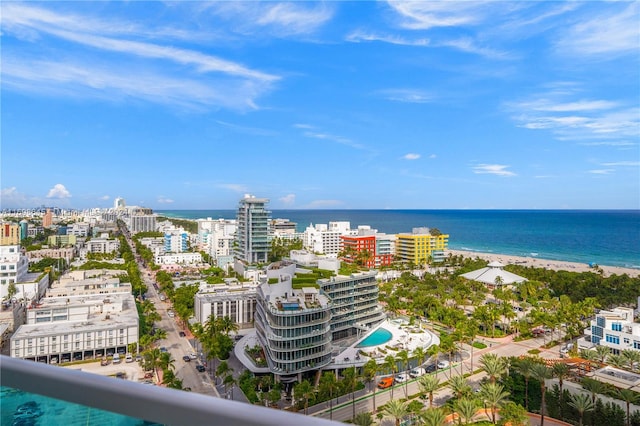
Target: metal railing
[152,403]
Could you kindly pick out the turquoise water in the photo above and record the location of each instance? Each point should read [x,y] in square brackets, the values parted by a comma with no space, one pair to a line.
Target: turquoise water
[376,338]
[21,408]
[605,237]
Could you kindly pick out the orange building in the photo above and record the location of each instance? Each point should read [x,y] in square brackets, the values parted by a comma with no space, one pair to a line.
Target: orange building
[363,249]
[47,219]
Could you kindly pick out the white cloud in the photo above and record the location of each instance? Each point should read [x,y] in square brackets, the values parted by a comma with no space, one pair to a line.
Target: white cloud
[359,36]
[318,204]
[411,156]
[622,164]
[338,139]
[58,191]
[237,187]
[605,33]
[601,171]
[288,199]
[303,126]
[104,197]
[407,95]
[430,14]
[493,169]
[468,45]
[164,200]
[432,156]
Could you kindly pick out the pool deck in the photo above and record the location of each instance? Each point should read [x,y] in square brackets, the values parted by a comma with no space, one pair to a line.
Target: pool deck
[403,337]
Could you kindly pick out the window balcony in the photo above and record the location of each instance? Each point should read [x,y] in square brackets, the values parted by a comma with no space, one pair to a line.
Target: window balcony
[115,401]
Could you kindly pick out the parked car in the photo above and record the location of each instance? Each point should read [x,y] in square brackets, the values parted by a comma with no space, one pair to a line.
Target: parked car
[401,378]
[104,361]
[128,358]
[386,382]
[200,368]
[182,334]
[117,359]
[417,372]
[163,349]
[171,314]
[192,355]
[186,358]
[443,364]
[430,368]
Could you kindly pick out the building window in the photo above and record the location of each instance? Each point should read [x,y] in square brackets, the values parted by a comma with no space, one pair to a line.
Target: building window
[616,326]
[613,339]
[626,340]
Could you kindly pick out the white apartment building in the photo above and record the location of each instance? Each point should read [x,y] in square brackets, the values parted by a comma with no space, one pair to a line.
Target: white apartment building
[176,242]
[252,234]
[66,253]
[155,244]
[142,223]
[89,282]
[179,259]
[615,329]
[62,329]
[102,244]
[13,267]
[235,300]
[325,239]
[80,229]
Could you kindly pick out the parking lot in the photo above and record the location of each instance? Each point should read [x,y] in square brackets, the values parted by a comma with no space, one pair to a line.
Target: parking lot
[132,370]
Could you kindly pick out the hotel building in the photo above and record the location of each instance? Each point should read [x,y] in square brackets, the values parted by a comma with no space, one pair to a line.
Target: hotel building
[235,300]
[420,246]
[614,329]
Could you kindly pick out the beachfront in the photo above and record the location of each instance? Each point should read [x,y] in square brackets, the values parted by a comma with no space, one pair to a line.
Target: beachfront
[557,265]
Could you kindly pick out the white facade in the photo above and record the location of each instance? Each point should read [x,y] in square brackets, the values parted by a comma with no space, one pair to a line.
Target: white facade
[236,301]
[325,239]
[77,327]
[102,245]
[13,267]
[179,258]
[80,229]
[142,223]
[615,329]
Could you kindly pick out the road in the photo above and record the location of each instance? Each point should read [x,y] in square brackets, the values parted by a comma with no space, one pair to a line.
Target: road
[178,346]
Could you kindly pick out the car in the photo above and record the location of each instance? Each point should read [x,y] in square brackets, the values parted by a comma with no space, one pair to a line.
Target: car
[128,358]
[163,349]
[200,368]
[417,372]
[401,378]
[104,361]
[430,368]
[53,360]
[182,334]
[171,314]
[443,364]
[192,355]
[386,382]
[186,358]
[117,359]
[121,375]
[238,337]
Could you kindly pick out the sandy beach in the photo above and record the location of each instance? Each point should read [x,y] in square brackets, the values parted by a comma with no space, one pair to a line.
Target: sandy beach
[557,265]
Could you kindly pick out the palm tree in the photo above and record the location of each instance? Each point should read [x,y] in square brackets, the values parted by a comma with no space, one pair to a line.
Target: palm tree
[459,386]
[303,391]
[466,408]
[603,353]
[151,360]
[349,382]
[632,357]
[493,365]
[429,384]
[370,370]
[448,346]
[419,354]
[629,397]
[541,373]
[618,361]
[403,356]
[493,396]
[328,387]
[582,403]
[391,365]
[525,367]
[363,419]
[561,372]
[434,417]
[396,409]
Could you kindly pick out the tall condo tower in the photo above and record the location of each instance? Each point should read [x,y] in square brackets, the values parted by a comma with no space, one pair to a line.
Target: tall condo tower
[119,203]
[252,234]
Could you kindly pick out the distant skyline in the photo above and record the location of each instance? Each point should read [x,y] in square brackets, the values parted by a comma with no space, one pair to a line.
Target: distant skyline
[336,105]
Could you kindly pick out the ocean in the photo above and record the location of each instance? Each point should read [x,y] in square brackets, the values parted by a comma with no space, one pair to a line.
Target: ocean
[604,237]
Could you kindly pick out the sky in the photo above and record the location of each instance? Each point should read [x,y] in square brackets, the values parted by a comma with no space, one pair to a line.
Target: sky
[321,105]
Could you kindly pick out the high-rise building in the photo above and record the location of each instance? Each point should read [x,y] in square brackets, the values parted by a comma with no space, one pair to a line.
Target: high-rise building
[252,234]
[24,229]
[119,203]
[47,219]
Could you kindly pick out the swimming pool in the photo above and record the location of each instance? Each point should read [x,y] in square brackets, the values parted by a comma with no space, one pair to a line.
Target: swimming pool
[376,338]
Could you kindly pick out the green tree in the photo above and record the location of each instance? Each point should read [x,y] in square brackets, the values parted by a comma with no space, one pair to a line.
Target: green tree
[561,372]
[403,357]
[370,370]
[434,417]
[541,372]
[303,391]
[513,414]
[390,364]
[460,387]
[396,409]
[428,384]
[582,403]
[363,419]
[493,395]
[524,366]
[493,365]
[629,397]
[328,388]
[466,408]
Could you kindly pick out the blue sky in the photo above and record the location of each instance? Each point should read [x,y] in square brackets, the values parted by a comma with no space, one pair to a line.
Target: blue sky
[347,105]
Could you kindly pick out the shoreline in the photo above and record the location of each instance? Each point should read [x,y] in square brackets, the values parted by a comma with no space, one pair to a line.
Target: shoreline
[556,265]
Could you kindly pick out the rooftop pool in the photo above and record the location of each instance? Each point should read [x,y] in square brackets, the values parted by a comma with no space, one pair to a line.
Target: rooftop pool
[378,337]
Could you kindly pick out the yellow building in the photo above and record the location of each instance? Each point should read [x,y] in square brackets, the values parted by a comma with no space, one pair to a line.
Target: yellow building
[9,234]
[421,247]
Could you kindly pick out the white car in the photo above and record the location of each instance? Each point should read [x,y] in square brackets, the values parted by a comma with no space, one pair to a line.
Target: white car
[171,314]
[443,364]
[128,358]
[401,378]
[417,372]
[192,355]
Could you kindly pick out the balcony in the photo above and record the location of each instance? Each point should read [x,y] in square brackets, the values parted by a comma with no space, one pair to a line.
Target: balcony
[124,398]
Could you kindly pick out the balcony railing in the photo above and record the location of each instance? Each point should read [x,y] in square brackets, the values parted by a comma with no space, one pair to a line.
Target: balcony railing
[152,403]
